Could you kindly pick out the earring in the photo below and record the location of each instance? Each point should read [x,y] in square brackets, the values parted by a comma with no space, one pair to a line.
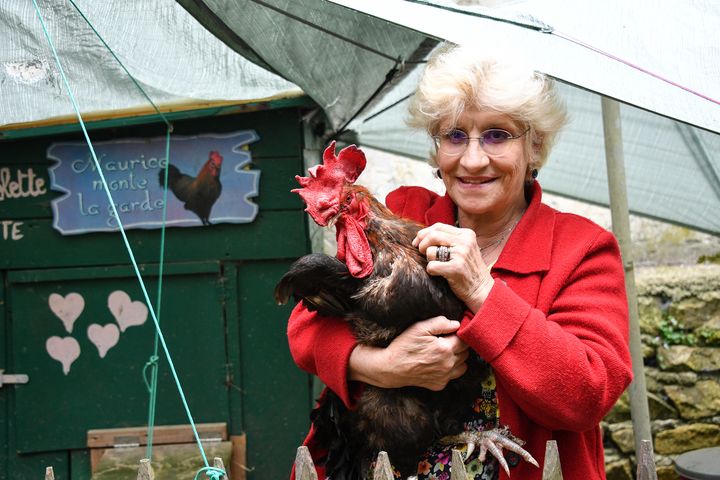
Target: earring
[534,173]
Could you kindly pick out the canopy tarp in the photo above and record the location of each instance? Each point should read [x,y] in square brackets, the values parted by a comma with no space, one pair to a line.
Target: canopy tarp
[359,60]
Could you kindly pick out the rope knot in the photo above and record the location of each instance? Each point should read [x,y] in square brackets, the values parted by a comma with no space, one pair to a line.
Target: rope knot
[152,362]
[212,473]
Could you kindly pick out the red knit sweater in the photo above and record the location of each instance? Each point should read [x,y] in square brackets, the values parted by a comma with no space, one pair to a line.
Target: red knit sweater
[554,329]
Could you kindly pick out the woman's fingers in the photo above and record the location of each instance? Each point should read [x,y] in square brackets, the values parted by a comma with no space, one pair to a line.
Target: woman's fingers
[427,354]
[436,234]
[435,326]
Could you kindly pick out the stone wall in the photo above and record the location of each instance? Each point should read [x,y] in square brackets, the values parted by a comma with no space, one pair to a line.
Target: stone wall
[680,327]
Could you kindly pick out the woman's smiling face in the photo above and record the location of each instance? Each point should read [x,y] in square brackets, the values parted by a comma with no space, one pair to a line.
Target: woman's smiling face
[481,184]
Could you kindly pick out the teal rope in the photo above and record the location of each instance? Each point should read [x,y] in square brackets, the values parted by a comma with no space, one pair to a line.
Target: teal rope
[153,361]
[153,387]
[213,472]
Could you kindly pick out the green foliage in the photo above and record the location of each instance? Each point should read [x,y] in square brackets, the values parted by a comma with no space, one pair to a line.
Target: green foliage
[709,336]
[672,332]
[709,258]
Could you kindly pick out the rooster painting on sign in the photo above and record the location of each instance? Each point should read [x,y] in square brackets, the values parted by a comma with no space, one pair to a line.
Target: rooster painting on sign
[538,348]
[198,193]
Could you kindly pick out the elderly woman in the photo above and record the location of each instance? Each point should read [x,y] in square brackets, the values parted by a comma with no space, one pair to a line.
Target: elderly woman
[544,290]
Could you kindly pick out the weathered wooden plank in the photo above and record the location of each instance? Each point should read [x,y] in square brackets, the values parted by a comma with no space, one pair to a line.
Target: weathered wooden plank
[169,462]
[383,469]
[646,462]
[145,471]
[304,466]
[458,471]
[164,434]
[551,467]
[238,460]
[144,115]
[49,473]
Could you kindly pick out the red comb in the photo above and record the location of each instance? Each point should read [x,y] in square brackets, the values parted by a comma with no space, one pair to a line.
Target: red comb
[322,189]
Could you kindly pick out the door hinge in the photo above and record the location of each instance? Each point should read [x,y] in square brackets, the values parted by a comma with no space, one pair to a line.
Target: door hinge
[13,378]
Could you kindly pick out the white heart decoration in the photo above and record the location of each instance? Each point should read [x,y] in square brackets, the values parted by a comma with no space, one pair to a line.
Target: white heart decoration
[104,337]
[126,312]
[64,350]
[67,308]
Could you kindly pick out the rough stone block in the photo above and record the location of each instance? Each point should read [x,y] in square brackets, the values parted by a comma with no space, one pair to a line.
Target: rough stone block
[624,439]
[699,401]
[659,408]
[697,359]
[693,312]
[686,438]
[619,470]
[650,315]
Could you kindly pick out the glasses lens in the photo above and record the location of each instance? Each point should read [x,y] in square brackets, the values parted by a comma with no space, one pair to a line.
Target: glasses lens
[495,140]
[453,142]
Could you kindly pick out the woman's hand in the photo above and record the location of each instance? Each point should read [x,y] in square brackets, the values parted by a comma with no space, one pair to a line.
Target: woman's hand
[466,271]
[428,354]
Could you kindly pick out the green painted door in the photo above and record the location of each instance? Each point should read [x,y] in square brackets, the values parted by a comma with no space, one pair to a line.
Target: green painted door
[84,335]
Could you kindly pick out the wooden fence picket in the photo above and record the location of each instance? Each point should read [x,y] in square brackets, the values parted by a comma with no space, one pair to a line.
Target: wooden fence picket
[551,467]
[145,471]
[304,466]
[49,473]
[218,463]
[383,469]
[458,471]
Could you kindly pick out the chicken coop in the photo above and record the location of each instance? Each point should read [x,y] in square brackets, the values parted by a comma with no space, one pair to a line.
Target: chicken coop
[75,331]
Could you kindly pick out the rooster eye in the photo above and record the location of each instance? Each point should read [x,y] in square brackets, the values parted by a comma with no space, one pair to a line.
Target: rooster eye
[349,198]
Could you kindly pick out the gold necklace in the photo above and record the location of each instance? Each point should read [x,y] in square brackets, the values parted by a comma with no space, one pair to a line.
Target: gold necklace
[502,238]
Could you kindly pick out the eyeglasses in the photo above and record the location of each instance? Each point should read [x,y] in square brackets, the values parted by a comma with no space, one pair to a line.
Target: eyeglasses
[494,141]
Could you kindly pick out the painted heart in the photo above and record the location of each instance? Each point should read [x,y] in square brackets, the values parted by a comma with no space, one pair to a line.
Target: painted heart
[65,350]
[104,337]
[126,312]
[67,308]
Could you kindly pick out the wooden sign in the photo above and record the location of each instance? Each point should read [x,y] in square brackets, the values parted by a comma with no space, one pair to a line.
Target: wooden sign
[208,180]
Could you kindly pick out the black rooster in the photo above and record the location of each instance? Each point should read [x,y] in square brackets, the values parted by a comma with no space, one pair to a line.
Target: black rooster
[379,284]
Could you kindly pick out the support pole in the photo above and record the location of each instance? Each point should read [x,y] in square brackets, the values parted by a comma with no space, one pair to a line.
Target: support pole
[621,227]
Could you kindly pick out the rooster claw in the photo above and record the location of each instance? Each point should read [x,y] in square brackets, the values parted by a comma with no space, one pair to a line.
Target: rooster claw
[492,441]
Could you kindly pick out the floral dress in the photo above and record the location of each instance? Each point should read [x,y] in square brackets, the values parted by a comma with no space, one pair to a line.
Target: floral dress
[436,461]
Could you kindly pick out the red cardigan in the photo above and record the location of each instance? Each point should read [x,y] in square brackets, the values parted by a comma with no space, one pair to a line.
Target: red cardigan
[554,328]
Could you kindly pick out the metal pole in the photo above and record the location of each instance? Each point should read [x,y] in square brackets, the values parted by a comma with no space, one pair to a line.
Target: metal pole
[621,227]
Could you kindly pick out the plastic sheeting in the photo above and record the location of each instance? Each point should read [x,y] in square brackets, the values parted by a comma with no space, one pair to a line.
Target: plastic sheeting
[174,59]
[357,66]
[673,169]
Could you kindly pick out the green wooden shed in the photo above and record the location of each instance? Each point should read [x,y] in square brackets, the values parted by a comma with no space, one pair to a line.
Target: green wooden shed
[85,392]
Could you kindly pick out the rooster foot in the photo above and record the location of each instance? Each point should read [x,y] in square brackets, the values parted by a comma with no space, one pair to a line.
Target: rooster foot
[492,441]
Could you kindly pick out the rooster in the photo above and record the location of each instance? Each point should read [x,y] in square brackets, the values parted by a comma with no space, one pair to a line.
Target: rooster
[380,285]
[199,193]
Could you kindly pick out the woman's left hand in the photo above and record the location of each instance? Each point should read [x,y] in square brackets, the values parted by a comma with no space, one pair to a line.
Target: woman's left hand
[466,271]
